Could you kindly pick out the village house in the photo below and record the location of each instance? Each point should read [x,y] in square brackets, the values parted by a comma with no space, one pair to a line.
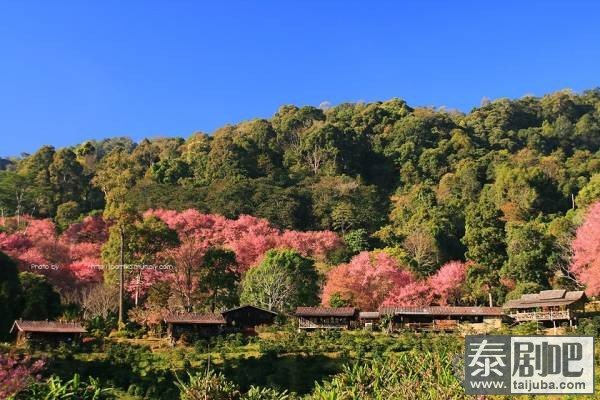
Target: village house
[441,318]
[547,307]
[191,325]
[47,332]
[326,318]
[240,319]
[248,317]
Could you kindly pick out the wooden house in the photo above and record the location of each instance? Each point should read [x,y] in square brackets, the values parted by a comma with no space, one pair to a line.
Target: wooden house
[47,332]
[326,317]
[547,306]
[440,318]
[248,317]
[192,325]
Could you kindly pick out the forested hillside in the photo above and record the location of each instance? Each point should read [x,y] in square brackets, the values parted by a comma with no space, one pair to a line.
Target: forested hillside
[494,196]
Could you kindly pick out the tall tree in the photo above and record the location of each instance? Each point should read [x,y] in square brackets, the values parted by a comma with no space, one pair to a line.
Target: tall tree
[219,279]
[282,281]
[529,250]
[484,234]
[115,177]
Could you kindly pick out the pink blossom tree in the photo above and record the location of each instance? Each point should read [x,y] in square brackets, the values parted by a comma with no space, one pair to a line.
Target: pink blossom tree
[585,264]
[249,237]
[366,280]
[441,288]
[416,293]
[16,374]
[447,281]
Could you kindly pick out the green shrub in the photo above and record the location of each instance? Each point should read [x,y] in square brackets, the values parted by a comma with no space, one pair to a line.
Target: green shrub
[54,388]
[588,327]
[208,385]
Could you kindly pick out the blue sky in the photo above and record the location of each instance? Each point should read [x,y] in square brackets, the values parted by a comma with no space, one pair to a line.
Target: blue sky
[74,70]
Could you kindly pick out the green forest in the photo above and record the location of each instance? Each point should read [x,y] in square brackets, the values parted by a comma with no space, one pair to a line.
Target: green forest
[501,185]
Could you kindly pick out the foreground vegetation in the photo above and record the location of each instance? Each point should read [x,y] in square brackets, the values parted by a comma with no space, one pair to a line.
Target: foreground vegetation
[299,364]
[276,365]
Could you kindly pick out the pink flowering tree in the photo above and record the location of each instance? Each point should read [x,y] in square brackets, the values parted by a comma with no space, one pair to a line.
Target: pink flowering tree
[16,374]
[366,280]
[446,283]
[416,293]
[67,260]
[441,288]
[585,264]
[249,237]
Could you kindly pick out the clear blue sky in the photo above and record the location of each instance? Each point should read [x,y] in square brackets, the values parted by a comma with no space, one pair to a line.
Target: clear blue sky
[73,70]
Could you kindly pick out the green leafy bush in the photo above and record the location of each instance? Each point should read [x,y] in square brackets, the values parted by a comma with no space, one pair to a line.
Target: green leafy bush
[54,388]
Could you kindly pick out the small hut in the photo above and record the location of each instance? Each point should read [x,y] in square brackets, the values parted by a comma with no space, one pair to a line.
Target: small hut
[326,317]
[47,332]
[547,306]
[248,317]
[192,325]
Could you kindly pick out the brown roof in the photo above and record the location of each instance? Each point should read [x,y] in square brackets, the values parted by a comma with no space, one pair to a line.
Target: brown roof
[441,310]
[47,326]
[325,311]
[546,298]
[193,318]
[248,306]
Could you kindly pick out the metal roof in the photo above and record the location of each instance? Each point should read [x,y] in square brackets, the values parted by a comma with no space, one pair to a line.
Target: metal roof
[441,310]
[546,298]
[325,311]
[47,326]
[368,314]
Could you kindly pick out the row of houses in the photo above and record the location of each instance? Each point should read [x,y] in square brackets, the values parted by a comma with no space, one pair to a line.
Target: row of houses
[416,318]
[239,319]
[550,307]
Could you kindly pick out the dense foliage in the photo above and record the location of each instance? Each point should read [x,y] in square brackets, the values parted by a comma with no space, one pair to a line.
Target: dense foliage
[500,186]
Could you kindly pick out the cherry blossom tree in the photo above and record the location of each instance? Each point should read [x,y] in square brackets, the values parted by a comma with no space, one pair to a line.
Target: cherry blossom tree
[441,288]
[76,253]
[366,280]
[187,259]
[416,293]
[16,374]
[447,281]
[249,237]
[585,264]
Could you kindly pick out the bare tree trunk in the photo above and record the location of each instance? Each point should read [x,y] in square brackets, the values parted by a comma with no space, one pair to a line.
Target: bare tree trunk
[121,273]
[137,287]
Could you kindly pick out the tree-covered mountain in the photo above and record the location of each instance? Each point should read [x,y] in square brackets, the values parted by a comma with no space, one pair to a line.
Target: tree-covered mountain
[501,186]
